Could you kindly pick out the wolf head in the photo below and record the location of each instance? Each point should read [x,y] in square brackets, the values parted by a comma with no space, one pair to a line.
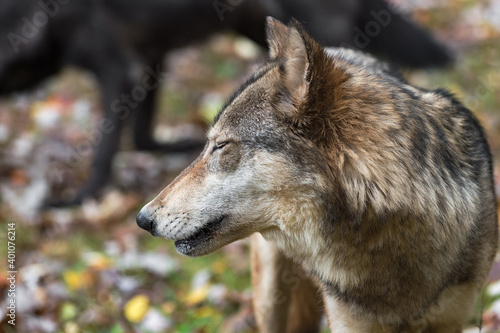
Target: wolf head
[265,167]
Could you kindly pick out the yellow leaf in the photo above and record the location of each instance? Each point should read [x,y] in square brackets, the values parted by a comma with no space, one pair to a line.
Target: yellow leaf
[219,267]
[168,307]
[78,280]
[71,327]
[205,311]
[56,248]
[136,308]
[197,295]
[99,262]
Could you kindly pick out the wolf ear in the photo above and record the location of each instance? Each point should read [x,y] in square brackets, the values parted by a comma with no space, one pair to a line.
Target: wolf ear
[296,71]
[277,37]
[299,56]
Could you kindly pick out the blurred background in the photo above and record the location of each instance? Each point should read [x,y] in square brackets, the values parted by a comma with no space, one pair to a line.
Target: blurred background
[83,264]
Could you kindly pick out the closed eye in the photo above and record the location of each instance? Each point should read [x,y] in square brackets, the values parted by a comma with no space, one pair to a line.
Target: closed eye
[221,145]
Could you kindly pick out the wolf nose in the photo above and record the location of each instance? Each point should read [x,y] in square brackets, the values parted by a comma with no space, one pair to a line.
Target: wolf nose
[145,221]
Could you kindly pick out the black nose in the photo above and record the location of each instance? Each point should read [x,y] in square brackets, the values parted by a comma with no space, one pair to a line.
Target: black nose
[144,220]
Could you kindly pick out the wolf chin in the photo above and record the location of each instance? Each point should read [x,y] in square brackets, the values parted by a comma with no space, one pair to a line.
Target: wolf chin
[366,196]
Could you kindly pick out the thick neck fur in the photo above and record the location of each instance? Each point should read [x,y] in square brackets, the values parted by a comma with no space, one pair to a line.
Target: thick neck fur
[388,207]
[363,228]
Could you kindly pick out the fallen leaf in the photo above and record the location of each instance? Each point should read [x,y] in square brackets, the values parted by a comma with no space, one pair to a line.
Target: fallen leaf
[205,311]
[136,308]
[219,266]
[197,295]
[78,280]
[168,307]
[71,327]
[68,311]
[97,261]
[18,177]
[155,322]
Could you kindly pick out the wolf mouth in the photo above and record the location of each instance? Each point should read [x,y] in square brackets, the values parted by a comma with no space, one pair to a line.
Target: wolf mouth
[201,237]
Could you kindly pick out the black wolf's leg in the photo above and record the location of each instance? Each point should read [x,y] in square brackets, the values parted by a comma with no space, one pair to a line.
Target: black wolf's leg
[105,151]
[113,84]
[144,116]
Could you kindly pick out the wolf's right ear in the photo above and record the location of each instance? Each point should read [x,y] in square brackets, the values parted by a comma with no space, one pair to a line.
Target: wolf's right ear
[297,54]
[277,37]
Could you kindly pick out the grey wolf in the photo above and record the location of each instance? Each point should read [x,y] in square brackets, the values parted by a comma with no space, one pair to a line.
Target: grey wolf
[380,192]
[116,40]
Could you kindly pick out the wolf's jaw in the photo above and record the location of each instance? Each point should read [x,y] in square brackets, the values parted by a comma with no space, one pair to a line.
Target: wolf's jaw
[189,246]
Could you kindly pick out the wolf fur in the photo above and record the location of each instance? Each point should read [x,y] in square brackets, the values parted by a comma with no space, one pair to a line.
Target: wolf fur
[381,192]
